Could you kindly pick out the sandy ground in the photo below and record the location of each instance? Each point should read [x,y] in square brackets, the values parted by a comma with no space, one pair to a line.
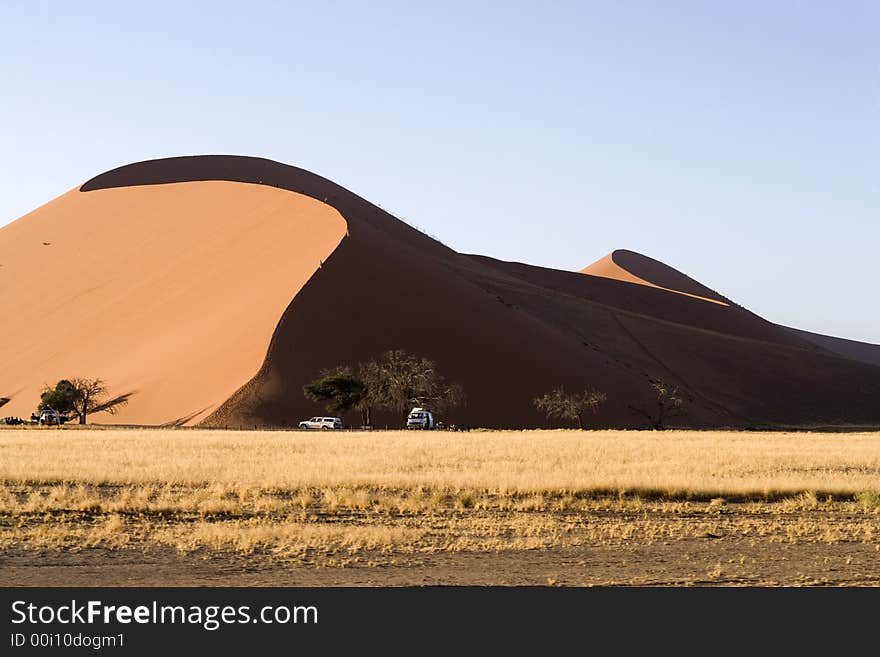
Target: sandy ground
[701,562]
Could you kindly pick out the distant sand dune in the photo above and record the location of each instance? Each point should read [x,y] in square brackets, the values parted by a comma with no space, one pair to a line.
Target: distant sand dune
[608,267]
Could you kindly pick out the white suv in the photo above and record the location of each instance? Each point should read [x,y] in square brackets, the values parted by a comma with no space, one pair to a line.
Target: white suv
[420,418]
[321,423]
[51,418]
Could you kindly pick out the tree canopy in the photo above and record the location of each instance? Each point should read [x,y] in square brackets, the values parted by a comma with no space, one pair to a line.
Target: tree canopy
[82,397]
[60,398]
[558,404]
[401,380]
[341,392]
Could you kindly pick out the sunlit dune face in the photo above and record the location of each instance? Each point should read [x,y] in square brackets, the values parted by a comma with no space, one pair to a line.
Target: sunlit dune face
[607,268]
[169,292]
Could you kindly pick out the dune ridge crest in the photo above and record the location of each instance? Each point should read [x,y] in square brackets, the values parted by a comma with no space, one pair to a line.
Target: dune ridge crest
[608,267]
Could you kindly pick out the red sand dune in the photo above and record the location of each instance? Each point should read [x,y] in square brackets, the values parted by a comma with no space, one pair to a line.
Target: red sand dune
[192,284]
[169,292]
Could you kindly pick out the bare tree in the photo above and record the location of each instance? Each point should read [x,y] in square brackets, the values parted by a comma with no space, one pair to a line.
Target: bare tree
[400,380]
[90,397]
[570,406]
[670,403]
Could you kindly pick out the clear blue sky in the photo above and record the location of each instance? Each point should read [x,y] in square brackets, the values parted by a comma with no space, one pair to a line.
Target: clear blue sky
[737,141]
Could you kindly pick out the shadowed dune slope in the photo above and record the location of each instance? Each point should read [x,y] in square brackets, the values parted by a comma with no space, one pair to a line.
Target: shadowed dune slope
[506,331]
[649,300]
[852,349]
[746,370]
[168,292]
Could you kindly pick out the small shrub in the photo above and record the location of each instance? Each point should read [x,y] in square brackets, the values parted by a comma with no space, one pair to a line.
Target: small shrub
[869,499]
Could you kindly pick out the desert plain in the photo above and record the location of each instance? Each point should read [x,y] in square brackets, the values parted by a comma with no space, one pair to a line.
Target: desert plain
[175,507]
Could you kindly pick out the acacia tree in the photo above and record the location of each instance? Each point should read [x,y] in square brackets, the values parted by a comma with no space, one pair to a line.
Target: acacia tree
[558,404]
[346,389]
[670,403]
[60,398]
[396,381]
[341,390]
[81,396]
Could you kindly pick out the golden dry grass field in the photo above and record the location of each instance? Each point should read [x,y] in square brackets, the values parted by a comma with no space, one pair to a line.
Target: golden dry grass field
[155,506]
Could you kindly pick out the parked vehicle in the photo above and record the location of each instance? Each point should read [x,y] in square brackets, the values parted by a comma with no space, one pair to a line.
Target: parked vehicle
[420,418]
[49,417]
[321,423]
